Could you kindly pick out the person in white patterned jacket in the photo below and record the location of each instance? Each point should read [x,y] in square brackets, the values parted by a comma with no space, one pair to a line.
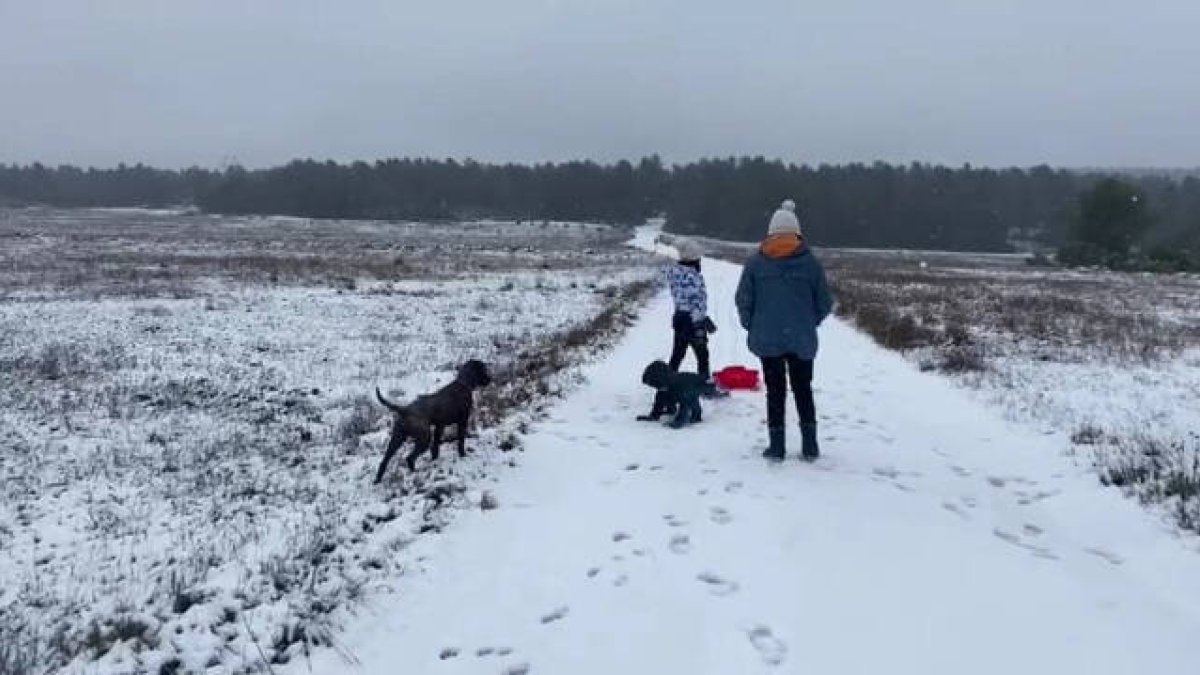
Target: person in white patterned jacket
[690,321]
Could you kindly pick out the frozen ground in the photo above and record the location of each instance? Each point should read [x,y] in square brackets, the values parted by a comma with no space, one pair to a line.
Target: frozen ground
[934,536]
[186,450]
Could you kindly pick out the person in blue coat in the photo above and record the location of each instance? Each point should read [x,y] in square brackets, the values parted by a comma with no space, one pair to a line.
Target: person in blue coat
[782,297]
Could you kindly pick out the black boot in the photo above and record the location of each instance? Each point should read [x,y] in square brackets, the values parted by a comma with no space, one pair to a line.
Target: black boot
[808,434]
[777,450]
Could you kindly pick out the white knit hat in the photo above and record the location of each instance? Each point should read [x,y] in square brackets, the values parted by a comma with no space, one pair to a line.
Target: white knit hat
[688,250]
[784,220]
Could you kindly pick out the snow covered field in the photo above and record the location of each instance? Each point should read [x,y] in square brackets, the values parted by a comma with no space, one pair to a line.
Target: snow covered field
[187,438]
[188,450]
[933,537]
[1112,360]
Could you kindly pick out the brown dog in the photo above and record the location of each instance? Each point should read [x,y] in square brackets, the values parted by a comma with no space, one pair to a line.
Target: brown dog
[426,418]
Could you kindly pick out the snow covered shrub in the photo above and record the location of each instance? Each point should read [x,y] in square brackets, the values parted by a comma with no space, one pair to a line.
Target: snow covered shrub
[363,417]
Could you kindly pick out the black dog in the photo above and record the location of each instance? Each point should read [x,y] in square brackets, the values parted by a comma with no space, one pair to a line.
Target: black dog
[676,394]
[427,417]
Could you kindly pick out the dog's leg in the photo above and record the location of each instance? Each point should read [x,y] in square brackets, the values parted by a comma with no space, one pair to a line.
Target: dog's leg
[437,440]
[462,438]
[394,443]
[421,441]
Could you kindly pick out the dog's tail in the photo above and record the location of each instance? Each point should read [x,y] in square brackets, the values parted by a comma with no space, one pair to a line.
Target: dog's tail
[386,403]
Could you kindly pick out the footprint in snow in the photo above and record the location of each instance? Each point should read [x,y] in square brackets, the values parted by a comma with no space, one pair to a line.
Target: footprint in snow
[619,537]
[621,580]
[958,470]
[1107,556]
[996,481]
[772,650]
[557,615]
[672,521]
[448,653]
[718,585]
[956,510]
[733,486]
[680,544]
[592,572]
[719,515]
[518,669]
[1038,551]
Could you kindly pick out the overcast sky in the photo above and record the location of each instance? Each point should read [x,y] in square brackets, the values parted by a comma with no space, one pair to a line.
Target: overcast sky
[990,82]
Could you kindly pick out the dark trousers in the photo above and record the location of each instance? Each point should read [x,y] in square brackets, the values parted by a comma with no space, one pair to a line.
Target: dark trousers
[777,371]
[687,338]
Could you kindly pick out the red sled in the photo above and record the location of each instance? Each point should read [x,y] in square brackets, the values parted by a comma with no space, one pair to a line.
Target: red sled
[736,377]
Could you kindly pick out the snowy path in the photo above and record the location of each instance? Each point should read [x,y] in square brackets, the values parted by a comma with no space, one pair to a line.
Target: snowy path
[933,537]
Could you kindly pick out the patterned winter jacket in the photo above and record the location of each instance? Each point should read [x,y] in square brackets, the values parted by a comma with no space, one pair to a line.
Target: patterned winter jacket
[688,291]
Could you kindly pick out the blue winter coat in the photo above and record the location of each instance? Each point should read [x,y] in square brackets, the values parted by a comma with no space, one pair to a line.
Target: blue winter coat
[781,299]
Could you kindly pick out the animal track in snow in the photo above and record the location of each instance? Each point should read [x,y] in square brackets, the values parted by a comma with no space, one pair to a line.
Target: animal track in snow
[621,580]
[1039,551]
[518,669]
[672,521]
[772,650]
[619,537]
[592,572]
[718,585]
[680,544]
[733,486]
[960,471]
[719,515]
[558,614]
[448,653]
[1107,556]
[955,509]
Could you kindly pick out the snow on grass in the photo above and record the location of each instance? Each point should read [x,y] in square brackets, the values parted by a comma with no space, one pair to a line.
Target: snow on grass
[1111,360]
[185,482]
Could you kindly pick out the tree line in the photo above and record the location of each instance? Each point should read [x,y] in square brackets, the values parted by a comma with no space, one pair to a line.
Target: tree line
[876,205]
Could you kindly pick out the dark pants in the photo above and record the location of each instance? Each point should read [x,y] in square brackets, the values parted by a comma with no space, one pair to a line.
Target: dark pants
[686,336]
[683,340]
[777,370]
